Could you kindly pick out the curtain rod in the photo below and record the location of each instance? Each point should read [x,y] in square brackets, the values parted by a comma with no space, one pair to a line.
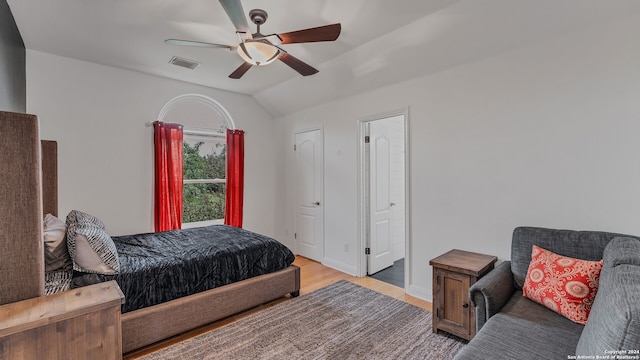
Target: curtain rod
[204,133]
[196,131]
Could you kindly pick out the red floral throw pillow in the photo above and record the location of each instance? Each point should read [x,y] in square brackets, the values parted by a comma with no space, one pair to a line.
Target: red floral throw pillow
[563,284]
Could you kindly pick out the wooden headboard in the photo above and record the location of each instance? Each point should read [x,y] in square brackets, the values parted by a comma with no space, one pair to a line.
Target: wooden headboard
[21,246]
[28,189]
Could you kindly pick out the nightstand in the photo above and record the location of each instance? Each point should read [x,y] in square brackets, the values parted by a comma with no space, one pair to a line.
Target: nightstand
[82,323]
[453,273]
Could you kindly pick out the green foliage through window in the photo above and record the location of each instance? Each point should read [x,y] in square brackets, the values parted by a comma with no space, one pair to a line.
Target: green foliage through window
[203,201]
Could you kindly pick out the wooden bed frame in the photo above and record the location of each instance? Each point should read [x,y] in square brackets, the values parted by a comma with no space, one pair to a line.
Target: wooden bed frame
[142,327]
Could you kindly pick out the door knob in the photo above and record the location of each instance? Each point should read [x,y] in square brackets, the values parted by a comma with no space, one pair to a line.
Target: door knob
[317,203]
[392,204]
[465,305]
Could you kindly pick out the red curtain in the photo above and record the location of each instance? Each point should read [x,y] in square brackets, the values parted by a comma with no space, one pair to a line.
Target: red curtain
[167,141]
[235,178]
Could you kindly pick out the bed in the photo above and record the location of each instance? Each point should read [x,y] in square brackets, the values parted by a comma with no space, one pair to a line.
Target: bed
[145,322]
[153,268]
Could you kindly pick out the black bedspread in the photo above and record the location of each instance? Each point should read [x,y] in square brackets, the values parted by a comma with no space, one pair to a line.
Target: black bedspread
[159,267]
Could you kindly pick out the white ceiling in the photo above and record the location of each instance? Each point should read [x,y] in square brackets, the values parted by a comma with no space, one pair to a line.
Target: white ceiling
[382,41]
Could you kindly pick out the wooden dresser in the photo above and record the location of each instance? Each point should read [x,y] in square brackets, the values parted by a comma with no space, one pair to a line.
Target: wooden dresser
[82,323]
[453,273]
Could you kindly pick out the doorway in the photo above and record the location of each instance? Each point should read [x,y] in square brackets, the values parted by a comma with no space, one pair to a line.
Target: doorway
[384,176]
[309,233]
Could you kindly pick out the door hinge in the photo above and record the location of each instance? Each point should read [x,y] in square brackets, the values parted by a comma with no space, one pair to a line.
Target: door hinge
[367,251]
[367,139]
[295,235]
[294,147]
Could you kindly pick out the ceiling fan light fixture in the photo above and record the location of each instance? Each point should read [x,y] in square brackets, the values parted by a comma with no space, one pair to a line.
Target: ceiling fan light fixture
[258,53]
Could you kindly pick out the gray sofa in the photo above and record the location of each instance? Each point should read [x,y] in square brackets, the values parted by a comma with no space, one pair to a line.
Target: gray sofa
[511,326]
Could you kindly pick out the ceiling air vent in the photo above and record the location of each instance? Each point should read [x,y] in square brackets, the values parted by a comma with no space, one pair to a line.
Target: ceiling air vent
[185,63]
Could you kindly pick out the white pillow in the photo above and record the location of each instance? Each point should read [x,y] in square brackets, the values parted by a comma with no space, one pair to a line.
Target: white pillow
[56,255]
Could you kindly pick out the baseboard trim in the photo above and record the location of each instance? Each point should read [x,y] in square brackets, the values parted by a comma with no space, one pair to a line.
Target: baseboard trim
[340,266]
[420,292]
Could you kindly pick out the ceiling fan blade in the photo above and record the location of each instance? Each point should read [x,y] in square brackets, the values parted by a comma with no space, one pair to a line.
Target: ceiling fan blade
[234,10]
[321,33]
[237,74]
[298,65]
[273,39]
[196,43]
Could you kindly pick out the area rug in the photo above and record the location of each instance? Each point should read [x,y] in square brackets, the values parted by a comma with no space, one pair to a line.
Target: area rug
[340,321]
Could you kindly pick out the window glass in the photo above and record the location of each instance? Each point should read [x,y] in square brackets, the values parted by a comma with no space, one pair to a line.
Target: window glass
[204,177]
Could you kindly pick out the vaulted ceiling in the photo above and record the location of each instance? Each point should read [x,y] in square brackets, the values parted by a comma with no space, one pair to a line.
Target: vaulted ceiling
[382,41]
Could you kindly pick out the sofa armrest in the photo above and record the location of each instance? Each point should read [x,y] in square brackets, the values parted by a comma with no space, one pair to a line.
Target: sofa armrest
[491,292]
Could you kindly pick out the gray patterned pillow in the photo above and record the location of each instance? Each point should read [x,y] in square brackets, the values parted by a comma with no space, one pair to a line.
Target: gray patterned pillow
[80,217]
[57,281]
[90,247]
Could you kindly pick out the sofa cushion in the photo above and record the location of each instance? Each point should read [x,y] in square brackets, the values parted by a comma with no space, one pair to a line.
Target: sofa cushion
[614,323]
[521,308]
[563,284]
[585,245]
[524,329]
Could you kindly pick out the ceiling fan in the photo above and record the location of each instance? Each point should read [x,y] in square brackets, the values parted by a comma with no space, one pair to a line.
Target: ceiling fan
[258,49]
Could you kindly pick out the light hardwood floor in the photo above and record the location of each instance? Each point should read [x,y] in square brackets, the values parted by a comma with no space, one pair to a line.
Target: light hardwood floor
[313,276]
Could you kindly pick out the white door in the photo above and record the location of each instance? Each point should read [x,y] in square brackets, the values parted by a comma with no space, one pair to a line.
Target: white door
[309,195]
[381,242]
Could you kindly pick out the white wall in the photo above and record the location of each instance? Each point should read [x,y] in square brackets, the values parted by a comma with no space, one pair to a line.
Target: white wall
[546,135]
[98,115]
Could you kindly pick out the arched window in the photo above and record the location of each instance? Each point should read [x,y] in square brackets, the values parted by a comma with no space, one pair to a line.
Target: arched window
[205,123]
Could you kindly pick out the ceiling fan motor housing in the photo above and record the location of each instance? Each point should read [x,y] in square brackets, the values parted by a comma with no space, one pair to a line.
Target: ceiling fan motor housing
[258,16]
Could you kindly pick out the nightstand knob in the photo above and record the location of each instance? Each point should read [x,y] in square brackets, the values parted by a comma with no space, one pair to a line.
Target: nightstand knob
[465,305]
